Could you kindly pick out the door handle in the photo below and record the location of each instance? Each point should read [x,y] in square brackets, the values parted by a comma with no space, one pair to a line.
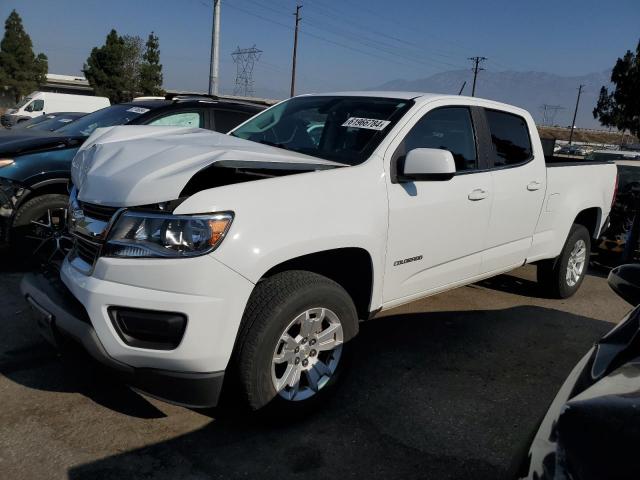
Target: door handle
[533,186]
[478,194]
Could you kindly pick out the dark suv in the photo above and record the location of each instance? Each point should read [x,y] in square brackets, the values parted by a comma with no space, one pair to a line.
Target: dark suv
[35,166]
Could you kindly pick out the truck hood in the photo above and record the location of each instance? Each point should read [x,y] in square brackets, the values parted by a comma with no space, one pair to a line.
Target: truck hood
[140,164]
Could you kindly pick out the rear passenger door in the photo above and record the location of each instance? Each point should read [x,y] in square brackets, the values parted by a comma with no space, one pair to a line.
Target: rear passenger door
[519,177]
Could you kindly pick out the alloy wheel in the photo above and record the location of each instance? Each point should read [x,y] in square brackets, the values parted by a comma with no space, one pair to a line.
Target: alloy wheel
[307,354]
[576,263]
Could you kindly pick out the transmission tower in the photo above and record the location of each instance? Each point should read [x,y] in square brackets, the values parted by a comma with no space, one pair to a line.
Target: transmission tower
[245,59]
[549,113]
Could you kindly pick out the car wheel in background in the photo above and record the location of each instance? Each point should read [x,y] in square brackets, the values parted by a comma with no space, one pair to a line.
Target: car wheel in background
[39,234]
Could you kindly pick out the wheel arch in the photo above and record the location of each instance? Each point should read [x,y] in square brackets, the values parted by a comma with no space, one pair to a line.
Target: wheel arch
[591,219]
[350,267]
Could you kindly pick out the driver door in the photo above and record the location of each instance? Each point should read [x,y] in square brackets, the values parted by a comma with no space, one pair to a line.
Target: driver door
[437,228]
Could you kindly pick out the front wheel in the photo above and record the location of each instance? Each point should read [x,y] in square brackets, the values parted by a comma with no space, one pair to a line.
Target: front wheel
[563,275]
[293,344]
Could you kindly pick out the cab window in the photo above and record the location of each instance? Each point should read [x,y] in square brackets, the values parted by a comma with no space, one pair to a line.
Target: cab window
[448,128]
[509,137]
[35,106]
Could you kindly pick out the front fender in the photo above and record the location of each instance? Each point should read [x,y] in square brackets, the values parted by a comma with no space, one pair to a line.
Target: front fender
[282,218]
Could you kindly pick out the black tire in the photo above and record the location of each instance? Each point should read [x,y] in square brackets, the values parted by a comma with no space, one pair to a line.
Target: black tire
[552,274]
[36,244]
[273,305]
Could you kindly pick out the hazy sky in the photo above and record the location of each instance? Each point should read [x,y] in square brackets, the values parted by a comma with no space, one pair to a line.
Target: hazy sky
[344,44]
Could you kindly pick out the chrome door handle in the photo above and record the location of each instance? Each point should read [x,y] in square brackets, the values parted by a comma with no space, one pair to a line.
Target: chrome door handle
[533,186]
[478,194]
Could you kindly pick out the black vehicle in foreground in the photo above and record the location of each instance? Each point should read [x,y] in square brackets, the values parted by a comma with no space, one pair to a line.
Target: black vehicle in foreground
[35,165]
[592,429]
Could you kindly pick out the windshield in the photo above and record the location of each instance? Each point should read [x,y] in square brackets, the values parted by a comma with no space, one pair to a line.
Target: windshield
[22,102]
[32,122]
[342,129]
[107,117]
[54,123]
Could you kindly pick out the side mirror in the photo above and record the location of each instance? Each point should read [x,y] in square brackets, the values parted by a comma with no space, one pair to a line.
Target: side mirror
[427,164]
[29,108]
[625,281]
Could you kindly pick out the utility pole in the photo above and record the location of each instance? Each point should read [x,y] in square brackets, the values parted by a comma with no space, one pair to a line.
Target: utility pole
[215,49]
[295,51]
[476,68]
[575,113]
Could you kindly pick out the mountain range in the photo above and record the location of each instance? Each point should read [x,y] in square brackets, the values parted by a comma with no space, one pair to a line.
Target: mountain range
[529,90]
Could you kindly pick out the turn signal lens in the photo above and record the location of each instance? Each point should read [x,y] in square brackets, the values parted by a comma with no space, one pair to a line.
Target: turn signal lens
[218,227]
[5,162]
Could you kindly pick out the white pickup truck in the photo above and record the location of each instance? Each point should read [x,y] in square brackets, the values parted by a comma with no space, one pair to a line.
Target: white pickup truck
[254,255]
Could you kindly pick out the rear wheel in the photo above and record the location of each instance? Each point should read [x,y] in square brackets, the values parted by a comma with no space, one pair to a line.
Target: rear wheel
[39,232]
[292,347]
[563,275]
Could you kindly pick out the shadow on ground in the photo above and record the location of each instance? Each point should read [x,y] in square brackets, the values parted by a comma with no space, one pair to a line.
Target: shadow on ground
[516,285]
[434,395]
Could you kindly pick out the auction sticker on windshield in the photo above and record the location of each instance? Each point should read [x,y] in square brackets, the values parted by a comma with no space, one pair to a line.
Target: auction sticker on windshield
[139,110]
[368,123]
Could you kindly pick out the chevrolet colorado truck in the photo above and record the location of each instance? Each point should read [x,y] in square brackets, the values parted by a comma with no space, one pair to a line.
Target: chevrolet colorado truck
[250,258]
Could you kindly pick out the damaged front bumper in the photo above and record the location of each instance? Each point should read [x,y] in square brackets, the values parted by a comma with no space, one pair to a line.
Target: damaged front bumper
[60,317]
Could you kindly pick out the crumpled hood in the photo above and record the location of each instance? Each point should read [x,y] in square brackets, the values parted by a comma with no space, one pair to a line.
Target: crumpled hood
[140,164]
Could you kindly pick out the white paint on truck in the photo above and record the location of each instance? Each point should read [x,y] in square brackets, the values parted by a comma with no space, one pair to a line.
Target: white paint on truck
[421,232]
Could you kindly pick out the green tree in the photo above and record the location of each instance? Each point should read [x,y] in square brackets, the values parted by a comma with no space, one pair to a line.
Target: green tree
[105,69]
[21,71]
[621,107]
[151,68]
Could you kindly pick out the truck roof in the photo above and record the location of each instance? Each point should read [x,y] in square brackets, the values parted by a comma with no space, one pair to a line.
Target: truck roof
[422,96]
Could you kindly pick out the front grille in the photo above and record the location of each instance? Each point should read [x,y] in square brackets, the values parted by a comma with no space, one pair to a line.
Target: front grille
[99,212]
[86,250]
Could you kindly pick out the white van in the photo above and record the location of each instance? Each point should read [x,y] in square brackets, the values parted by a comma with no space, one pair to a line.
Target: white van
[41,103]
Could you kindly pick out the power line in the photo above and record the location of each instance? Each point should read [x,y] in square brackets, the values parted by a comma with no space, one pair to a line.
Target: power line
[373,43]
[476,68]
[321,38]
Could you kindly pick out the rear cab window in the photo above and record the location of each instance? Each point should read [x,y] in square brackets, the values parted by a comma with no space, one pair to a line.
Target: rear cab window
[511,143]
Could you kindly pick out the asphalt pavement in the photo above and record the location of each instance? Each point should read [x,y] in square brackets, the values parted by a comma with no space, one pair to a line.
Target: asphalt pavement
[448,387]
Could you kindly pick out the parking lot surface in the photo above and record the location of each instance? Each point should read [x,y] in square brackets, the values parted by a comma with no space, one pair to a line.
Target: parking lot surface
[446,387]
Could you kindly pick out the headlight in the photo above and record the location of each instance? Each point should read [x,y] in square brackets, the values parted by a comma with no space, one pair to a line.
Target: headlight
[142,234]
[5,162]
